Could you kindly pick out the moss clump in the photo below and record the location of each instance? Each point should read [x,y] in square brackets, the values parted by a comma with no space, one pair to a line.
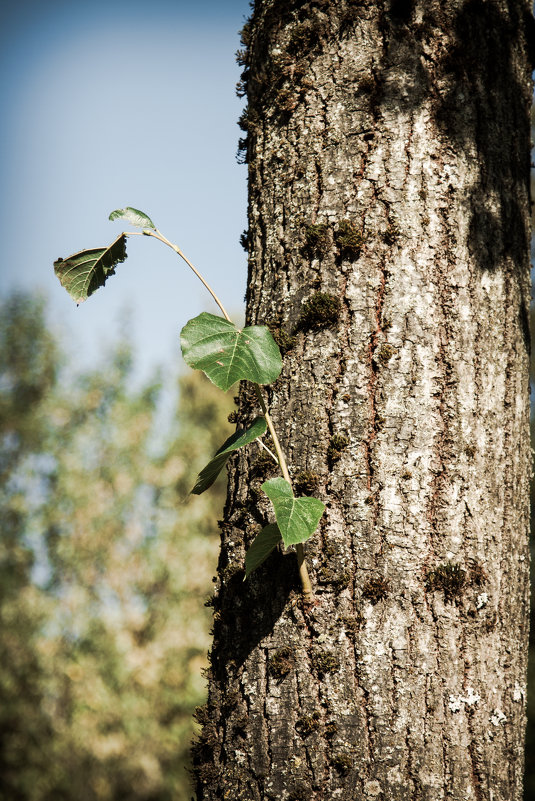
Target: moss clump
[323,662]
[302,38]
[230,701]
[339,581]
[448,578]
[349,240]
[306,483]
[201,715]
[307,724]
[317,240]
[336,445]
[248,120]
[263,464]
[286,101]
[281,663]
[284,340]
[245,33]
[392,233]
[319,311]
[375,590]
[342,580]
[207,773]
[330,729]
[342,762]
[208,735]
[351,623]
[385,353]
[478,574]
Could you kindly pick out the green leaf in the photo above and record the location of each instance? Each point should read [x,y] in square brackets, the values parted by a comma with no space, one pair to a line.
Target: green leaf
[208,474]
[133,216]
[227,354]
[83,273]
[297,518]
[261,547]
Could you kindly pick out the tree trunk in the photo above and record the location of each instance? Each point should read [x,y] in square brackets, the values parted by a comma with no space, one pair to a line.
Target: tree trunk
[388,149]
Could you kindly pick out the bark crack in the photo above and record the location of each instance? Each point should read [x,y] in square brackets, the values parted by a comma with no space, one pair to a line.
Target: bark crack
[374,371]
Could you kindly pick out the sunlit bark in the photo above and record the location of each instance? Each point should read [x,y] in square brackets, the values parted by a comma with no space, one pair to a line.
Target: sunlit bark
[388,151]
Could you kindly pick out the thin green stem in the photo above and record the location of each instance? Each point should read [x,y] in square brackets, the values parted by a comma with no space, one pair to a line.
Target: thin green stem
[301,563]
[158,235]
[278,450]
[306,585]
[265,448]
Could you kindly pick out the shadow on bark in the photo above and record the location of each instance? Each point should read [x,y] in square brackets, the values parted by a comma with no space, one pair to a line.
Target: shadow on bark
[256,606]
[469,108]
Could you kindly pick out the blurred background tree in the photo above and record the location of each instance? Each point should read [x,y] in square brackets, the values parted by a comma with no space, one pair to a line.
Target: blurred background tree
[104,570]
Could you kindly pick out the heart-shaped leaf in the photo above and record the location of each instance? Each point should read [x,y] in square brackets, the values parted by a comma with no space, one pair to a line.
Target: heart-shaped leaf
[208,474]
[261,547]
[297,518]
[83,273]
[133,216]
[227,353]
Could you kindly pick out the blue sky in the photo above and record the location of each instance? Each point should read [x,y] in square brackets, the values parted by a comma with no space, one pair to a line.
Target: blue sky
[112,104]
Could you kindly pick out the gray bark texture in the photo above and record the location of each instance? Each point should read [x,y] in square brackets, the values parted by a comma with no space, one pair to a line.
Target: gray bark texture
[388,149]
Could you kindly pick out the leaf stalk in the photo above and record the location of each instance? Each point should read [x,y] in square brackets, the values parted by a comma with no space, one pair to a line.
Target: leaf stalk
[306,585]
[87,270]
[268,450]
[158,235]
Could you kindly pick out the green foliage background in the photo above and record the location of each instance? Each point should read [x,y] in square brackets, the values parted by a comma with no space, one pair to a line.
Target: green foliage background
[104,571]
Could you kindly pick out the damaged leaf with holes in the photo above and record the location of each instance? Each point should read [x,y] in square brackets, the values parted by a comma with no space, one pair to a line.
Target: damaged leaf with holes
[84,272]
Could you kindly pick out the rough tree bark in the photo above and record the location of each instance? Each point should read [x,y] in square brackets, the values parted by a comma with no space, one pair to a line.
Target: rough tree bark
[388,150]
